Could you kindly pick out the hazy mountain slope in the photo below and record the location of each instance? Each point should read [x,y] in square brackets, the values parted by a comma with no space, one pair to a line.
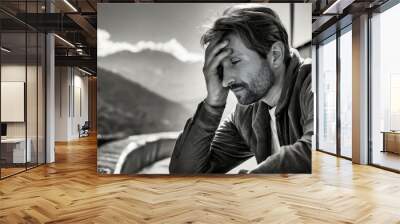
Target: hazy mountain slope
[160,72]
[127,108]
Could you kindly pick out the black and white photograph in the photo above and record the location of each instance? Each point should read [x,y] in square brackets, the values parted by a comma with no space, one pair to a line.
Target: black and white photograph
[204,88]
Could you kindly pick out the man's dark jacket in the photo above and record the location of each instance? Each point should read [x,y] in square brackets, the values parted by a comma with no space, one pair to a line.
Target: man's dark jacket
[207,147]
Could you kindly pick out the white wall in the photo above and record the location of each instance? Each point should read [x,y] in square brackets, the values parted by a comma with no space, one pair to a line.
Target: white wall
[34,124]
[302,24]
[71,93]
[17,73]
[80,89]
[61,103]
[12,73]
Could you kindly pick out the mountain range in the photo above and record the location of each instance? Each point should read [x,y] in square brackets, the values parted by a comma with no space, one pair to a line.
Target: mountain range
[127,108]
[161,73]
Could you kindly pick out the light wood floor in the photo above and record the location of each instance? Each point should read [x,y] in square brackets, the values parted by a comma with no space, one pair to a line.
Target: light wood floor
[70,191]
[10,171]
[5,172]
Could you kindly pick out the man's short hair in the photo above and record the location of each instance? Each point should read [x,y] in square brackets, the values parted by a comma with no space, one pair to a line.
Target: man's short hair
[257,26]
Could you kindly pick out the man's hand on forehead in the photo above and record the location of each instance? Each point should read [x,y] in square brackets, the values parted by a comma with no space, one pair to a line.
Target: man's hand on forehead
[215,53]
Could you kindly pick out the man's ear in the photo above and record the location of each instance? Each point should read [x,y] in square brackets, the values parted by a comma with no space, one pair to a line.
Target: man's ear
[276,54]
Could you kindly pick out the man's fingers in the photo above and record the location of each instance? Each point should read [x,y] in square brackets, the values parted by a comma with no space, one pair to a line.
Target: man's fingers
[218,59]
[214,50]
[214,41]
[210,45]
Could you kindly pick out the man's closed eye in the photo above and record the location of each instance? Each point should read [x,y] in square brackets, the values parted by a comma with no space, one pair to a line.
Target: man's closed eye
[235,60]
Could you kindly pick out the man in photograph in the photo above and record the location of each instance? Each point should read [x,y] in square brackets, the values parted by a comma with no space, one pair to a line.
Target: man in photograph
[248,53]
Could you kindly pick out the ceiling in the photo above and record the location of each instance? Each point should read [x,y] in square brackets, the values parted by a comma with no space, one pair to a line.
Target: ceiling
[73,21]
[331,16]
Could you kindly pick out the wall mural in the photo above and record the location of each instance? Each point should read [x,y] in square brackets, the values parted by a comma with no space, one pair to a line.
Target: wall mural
[203,88]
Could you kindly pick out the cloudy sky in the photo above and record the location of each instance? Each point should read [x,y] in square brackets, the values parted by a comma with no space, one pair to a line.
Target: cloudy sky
[174,28]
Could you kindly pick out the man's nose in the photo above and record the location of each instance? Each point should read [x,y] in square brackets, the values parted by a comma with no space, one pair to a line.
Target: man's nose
[228,77]
[227,80]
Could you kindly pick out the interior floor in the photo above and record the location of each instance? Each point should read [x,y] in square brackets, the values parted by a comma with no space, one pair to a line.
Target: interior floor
[71,191]
[11,169]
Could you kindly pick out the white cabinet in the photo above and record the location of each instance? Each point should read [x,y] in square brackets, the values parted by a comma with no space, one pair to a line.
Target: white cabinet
[17,147]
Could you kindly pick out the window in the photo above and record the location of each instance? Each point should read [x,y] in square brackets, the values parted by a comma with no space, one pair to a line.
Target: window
[327,95]
[346,92]
[385,89]
[22,77]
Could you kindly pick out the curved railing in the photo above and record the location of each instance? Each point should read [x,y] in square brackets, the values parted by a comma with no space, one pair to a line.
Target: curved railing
[133,154]
[145,154]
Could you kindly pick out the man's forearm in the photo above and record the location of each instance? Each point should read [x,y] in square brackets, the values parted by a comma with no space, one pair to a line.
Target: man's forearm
[294,158]
[192,148]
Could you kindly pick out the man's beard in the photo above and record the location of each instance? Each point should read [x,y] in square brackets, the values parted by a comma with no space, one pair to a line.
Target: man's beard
[255,90]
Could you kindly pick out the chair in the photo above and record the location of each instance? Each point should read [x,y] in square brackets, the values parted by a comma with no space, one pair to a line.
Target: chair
[84,130]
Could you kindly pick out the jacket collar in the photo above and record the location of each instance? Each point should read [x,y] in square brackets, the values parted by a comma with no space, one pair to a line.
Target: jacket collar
[291,75]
